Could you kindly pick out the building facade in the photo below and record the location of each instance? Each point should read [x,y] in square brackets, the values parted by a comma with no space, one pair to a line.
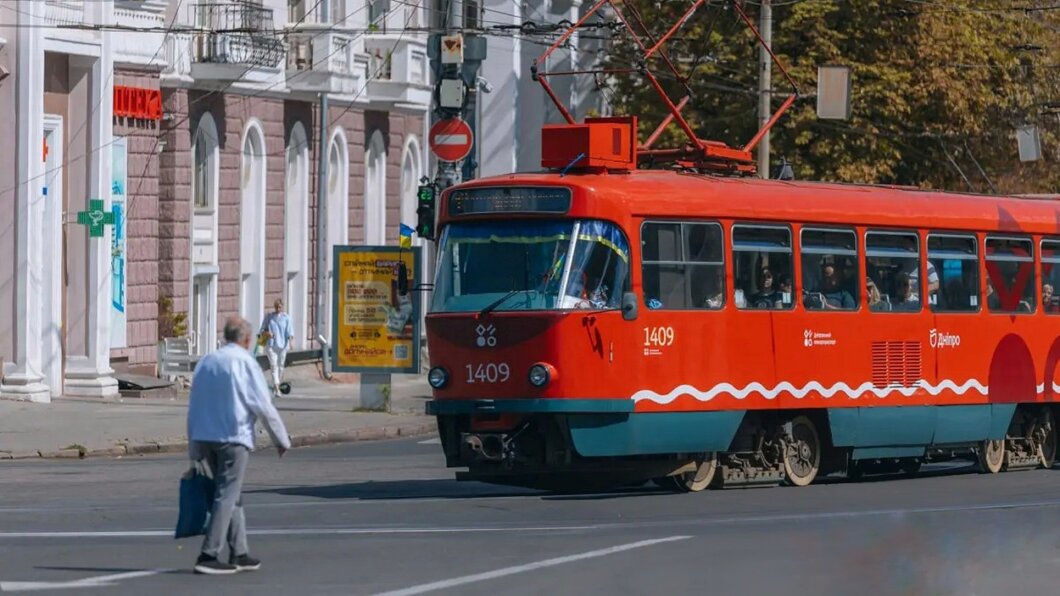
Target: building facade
[516,107]
[198,125]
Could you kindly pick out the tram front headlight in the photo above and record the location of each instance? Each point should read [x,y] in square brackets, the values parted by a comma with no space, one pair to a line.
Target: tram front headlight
[438,377]
[540,374]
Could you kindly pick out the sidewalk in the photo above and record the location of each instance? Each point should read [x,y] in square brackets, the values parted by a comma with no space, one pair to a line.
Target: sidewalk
[316,412]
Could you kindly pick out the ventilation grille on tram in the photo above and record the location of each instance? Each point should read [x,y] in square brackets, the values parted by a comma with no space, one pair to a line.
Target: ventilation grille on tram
[896,363]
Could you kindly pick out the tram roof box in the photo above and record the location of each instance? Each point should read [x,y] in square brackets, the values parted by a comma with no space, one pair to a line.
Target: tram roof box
[599,144]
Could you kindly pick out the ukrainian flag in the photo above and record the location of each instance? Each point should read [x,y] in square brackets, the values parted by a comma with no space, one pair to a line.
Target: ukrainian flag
[405,238]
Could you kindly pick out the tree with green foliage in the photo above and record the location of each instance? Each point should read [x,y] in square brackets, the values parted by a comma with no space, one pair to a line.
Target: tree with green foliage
[938,87]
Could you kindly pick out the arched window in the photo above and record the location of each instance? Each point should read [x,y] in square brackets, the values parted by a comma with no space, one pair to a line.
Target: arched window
[202,326]
[338,205]
[411,171]
[252,226]
[375,190]
[296,233]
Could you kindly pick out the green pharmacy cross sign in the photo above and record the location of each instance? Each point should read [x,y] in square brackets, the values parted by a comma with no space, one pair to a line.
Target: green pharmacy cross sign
[95,218]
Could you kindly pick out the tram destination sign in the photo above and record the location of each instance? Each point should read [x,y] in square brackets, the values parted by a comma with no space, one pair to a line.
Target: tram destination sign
[509,199]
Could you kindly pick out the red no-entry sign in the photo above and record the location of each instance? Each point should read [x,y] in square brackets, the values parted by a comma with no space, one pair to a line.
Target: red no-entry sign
[450,139]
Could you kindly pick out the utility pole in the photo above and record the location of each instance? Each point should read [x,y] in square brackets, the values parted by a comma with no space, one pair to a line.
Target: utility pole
[456,80]
[448,172]
[765,84]
[322,233]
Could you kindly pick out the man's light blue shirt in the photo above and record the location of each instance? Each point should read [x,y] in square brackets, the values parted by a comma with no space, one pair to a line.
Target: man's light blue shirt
[279,327]
[228,395]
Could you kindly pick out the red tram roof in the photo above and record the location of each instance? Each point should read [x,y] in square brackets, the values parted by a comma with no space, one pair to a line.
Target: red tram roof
[653,193]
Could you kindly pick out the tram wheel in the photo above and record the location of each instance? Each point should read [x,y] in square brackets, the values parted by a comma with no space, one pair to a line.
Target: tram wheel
[802,453]
[992,456]
[704,475]
[1044,438]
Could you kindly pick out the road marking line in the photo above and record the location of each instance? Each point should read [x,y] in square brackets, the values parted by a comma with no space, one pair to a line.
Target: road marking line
[100,581]
[434,441]
[496,573]
[299,532]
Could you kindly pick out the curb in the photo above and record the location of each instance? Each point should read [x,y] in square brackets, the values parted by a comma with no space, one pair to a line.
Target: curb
[372,433]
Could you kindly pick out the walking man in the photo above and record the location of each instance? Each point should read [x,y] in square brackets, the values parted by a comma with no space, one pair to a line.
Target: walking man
[228,395]
[277,328]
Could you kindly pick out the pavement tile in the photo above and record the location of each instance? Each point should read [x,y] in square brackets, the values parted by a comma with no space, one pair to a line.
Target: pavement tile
[173,447]
[62,454]
[142,449]
[107,452]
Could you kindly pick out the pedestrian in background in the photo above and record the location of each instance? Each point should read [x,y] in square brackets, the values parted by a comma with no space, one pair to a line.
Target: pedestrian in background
[277,329]
[228,395]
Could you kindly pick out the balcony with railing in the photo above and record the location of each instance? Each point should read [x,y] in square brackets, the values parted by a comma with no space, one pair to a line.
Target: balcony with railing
[69,21]
[65,12]
[148,17]
[234,41]
[325,54]
[325,62]
[398,71]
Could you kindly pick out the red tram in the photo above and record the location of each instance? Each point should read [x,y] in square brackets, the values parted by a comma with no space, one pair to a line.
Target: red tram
[600,322]
[658,324]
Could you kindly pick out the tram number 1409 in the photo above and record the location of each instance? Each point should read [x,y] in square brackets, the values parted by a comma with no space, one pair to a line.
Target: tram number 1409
[658,337]
[488,373]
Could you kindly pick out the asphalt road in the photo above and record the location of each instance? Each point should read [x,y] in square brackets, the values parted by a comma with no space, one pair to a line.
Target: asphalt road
[386,518]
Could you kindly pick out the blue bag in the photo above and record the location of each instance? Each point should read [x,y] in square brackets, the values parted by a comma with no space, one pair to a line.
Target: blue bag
[196,500]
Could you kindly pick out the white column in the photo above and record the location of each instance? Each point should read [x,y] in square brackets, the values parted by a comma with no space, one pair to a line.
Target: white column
[23,381]
[91,375]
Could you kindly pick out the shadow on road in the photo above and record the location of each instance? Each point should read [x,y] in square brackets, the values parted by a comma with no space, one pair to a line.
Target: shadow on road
[401,489]
[445,489]
[451,489]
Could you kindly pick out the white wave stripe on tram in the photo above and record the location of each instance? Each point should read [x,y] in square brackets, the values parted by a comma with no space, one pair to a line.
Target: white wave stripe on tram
[864,389]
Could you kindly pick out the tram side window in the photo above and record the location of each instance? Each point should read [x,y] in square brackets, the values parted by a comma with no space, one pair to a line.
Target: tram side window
[683,265]
[1010,285]
[1050,276]
[762,266]
[892,262]
[954,260]
[829,269]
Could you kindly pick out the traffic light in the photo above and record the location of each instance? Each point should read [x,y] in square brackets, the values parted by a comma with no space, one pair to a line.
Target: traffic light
[425,211]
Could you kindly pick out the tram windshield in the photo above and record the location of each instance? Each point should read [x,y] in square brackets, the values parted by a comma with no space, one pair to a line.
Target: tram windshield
[531,265]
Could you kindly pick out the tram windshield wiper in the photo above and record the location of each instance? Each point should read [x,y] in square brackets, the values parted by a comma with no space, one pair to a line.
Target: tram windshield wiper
[496,303]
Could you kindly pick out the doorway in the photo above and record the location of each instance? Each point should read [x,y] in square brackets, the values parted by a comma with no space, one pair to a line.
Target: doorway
[53,299]
[202,328]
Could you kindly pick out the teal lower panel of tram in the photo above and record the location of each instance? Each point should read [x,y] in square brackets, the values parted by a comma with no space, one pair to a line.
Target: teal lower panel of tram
[918,426]
[610,428]
[609,435]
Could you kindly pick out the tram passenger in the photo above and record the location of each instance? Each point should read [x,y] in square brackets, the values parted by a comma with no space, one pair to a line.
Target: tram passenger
[711,290]
[830,296]
[767,295]
[914,277]
[785,284]
[1049,302]
[904,297]
[993,302]
[875,299]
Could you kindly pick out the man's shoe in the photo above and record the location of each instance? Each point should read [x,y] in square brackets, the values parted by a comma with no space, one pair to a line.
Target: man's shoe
[245,563]
[211,566]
